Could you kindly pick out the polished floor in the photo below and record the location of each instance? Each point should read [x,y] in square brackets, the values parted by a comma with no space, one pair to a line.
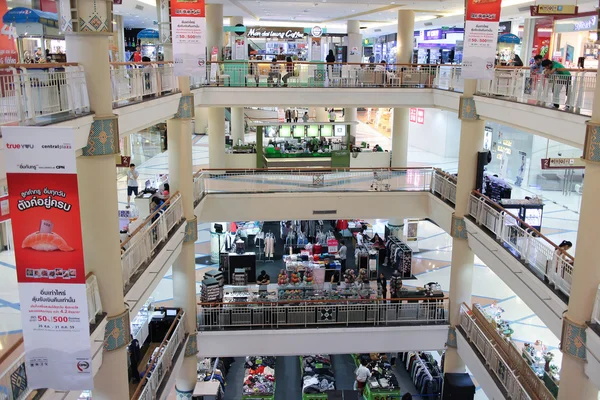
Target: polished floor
[432,263]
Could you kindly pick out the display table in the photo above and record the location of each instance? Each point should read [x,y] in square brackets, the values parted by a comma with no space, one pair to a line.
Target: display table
[377,393]
[210,390]
[142,202]
[529,211]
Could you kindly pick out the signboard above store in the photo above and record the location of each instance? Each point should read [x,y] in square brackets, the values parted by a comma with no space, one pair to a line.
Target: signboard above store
[553,9]
[563,163]
[276,33]
[434,34]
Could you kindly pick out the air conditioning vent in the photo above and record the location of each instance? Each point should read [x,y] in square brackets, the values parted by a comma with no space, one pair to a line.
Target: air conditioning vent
[377,30]
[523,9]
[428,23]
[139,7]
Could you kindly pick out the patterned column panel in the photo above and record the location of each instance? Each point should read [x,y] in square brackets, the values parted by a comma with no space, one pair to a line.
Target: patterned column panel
[89,16]
[451,340]
[466,109]
[591,146]
[191,231]
[117,331]
[459,228]
[573,339]
[191,347]
[104,137]
[395,230]
[184,394]
[186,107]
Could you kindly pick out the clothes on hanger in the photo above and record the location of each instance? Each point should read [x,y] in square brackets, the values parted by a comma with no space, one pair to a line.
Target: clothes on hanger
[269,245]
[425,373]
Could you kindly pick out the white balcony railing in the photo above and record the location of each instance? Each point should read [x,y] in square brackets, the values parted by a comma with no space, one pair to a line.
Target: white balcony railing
[132,82]
[444,185]
[141,246]
[315,313]
[159,367]
[493,360]
[347,180]
[533,248]
[36,93]
[575,90]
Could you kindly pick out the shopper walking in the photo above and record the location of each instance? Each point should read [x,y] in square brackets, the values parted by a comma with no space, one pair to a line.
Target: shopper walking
[343,253]
[305,117]
[288,115]
[362,374]
[132,184]
[295,115]
[332,116]
[330,60]
[382,286]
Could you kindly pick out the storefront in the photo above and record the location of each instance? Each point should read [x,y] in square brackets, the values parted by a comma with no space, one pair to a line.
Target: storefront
[149,43]
[573,42]
[508,46]
[38,36]
[440,46]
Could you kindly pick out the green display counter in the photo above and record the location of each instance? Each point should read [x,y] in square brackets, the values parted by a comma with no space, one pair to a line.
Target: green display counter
[377,394]
[312,396]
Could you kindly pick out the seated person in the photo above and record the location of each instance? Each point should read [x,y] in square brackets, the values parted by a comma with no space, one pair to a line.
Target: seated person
[263,278]
[274,72]
[164,193]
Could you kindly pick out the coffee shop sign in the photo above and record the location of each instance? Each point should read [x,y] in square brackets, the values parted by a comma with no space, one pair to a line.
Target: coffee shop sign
[280,34]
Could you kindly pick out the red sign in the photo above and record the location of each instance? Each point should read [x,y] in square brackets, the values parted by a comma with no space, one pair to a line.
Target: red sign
[483,10]
[417,115]
[43,200]
[8,36]
[187,8]
[563,163]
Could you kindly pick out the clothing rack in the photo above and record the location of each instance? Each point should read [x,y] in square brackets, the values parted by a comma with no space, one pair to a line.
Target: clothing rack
[399,256]
[425,373]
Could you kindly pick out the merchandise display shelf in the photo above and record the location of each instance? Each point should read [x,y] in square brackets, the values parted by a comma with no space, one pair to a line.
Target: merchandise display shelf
[260,396]
[311,396]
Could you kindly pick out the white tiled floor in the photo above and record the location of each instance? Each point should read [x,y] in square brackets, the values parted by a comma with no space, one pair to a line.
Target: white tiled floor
[434,257]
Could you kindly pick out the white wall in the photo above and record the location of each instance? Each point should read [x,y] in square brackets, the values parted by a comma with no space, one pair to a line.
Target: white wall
[439,134]
[369,159]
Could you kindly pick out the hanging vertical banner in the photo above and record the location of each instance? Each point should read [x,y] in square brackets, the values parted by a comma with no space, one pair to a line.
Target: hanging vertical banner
[188,32]
[481,38]
[44,208]
[8,37]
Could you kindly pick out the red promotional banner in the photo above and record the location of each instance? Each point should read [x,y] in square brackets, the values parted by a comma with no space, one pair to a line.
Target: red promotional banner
[8,37]
[187,8]
[4,209]
[44,207]
[483,10]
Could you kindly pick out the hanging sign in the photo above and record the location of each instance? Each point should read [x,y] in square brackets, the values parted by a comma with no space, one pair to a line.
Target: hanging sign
[188,32]
[44,208]
[553,9]
[563,163]
[417,115]
[481,37]
[276,33]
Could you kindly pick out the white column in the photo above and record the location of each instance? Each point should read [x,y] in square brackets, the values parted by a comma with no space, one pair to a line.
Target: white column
[406,28]
[184,267]
[97,179]
[216,137]
[351,115]
[527,42]
[120,37]
[322,115]
[400,126]
[463,259]
[201,120]
[237,125]
[214,29]
[126,151]
[354,41]
[574,383]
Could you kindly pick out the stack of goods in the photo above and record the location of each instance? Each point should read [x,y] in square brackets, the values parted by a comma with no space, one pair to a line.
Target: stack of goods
[425,373]
[211,291]
[496,188]
[214,370]
[240,277]
[317,375]
[259,378]
[383,381]
[399,256]
[220,278]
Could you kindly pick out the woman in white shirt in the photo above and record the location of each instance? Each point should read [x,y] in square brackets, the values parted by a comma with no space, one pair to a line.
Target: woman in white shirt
[362,374]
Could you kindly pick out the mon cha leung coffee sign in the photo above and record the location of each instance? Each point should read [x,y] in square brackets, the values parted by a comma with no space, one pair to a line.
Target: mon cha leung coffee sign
[276,33]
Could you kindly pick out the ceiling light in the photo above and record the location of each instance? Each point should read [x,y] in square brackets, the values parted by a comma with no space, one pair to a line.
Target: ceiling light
[392,2]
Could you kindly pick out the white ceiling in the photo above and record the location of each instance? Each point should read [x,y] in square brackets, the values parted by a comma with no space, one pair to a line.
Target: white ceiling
[333,14]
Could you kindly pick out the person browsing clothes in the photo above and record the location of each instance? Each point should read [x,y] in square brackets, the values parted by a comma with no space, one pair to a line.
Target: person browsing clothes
[362,374]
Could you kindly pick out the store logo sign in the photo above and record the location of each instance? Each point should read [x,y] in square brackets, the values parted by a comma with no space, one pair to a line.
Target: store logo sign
[587,25]
[316,31]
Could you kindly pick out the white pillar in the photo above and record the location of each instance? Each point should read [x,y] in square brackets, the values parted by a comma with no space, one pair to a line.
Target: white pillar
[406,28]
[463,259]
[322,115]
[237,125]
[214,29]
[96,175]
[400,126]
[184,267]
[201,120]
[354,41]
[351,115]
[119,27]
[216,137]
[126,151]
[527,42]
[574,383]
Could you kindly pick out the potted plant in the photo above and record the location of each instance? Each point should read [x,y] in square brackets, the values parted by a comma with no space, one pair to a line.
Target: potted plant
[548,357]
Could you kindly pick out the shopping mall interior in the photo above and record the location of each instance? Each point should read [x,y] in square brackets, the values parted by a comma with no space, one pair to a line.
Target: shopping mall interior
[293,200]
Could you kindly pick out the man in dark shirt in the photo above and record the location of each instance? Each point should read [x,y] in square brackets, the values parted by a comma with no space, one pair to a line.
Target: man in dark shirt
[263,278]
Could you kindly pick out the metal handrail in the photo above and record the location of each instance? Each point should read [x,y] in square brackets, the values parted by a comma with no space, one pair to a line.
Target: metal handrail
[333,301]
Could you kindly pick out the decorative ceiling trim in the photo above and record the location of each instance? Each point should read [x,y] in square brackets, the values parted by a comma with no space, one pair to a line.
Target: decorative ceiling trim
[375,10]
